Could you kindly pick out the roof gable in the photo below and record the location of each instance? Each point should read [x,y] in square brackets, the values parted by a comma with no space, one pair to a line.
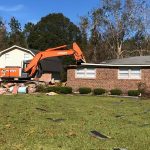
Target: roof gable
[17,47]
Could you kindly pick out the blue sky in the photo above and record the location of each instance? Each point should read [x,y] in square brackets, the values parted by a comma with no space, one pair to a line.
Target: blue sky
[33,10]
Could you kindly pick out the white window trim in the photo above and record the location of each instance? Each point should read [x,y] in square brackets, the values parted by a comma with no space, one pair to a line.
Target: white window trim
[85,77]
[26,56]
[7,56]
[129,75]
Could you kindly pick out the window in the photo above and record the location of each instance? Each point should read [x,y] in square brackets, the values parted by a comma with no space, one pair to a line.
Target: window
[129,73]
[89,73]
[26,56]
[7,56]
[135,73]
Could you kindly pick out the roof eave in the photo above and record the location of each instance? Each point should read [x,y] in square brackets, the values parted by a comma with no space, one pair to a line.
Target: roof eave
[15,46]
[116,65]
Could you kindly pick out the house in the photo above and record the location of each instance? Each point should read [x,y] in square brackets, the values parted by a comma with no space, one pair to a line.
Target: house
[15,56]
[125,74]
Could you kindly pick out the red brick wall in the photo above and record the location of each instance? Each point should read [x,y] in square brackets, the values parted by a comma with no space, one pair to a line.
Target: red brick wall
[107,78]
[46,77]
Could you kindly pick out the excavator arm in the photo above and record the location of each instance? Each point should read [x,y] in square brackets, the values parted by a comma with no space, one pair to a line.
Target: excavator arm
[53,52]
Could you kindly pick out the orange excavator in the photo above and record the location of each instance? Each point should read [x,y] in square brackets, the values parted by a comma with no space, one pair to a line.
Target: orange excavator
[33,66]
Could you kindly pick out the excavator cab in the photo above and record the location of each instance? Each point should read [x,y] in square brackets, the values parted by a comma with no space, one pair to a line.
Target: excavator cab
[25,74]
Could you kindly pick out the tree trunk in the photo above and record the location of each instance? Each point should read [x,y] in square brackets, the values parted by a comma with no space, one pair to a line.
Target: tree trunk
[119,50]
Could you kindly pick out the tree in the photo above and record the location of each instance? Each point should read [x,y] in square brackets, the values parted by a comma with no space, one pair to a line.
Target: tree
[28,28]
[111,24]
[84,26]
[53,30]
[120,22]
[16,36]
[3,35]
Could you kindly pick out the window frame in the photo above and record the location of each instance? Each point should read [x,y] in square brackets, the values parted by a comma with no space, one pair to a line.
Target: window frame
[7,56]
[130,76]
[85,73]
[26,54]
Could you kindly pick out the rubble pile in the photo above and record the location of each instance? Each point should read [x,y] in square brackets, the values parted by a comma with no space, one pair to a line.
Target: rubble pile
[15,88]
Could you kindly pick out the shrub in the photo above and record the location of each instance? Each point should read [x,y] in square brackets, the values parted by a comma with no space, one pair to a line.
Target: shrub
[116,92]
[84,90]
[41,88]
[141,87]
[133,93]
[99,91]
[65,90]
[55,89]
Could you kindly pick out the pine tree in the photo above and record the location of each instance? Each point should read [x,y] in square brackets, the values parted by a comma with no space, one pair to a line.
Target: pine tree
[16,36]
[3,35]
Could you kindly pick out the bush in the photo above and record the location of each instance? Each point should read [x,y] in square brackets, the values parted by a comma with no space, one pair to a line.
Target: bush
[99,91]
[116,92]
[141,87]
[59,89]
[41,88]
[65,90]
[133,93]
[84,90]
[55,89]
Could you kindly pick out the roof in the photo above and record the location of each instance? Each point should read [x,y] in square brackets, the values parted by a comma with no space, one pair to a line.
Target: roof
[53,64]
[35,51]
[138,60]
[18,47]
[131,61]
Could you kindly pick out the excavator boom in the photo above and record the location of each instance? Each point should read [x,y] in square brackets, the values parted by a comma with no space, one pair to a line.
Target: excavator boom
[54,52]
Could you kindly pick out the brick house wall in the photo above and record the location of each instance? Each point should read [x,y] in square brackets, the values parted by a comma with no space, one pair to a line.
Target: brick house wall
[107,78]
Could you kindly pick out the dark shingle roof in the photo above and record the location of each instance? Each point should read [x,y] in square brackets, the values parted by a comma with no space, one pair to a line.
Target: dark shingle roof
[138,60]
[34,51]
[53,64]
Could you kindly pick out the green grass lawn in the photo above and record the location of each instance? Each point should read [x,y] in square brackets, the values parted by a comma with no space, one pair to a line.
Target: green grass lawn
[24,124]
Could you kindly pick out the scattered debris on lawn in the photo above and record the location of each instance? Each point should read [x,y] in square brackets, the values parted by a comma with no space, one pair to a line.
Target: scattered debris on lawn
[119,148]
[56,120]
[119,116]
[71,134]
[99,135]
[41,109]
[52,94]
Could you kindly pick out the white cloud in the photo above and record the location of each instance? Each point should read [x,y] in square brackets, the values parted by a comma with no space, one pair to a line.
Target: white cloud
[11,9]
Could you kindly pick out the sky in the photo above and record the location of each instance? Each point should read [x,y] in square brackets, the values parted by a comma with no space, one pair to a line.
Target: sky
[32,10]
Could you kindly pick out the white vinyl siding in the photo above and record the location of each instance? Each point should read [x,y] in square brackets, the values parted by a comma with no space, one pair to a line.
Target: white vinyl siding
[86,73]
[14,57]
[129,73]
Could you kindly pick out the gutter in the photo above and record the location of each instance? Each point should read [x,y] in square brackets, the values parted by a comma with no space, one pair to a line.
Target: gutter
[114,65]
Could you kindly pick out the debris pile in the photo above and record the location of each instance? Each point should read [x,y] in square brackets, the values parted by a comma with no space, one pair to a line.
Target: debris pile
[16,88]
[2,91]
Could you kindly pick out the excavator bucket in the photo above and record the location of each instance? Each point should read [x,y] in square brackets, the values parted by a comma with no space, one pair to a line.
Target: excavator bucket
[78,53]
